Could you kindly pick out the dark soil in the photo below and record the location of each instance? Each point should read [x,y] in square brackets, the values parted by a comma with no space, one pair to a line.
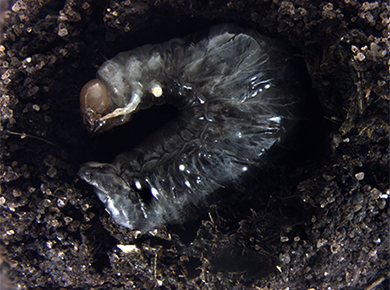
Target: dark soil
[320,219]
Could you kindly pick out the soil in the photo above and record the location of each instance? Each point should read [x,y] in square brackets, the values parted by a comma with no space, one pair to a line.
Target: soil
[317,219]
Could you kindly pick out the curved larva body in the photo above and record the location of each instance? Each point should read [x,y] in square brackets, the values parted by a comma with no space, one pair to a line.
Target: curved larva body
[234,90]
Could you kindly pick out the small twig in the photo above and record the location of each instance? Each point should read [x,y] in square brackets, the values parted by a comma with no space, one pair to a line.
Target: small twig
[24,135]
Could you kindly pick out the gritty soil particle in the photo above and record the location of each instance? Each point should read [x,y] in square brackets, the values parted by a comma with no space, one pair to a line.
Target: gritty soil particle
[320,220]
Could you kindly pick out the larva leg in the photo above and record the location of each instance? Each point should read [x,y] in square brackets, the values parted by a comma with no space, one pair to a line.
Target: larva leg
[130,108]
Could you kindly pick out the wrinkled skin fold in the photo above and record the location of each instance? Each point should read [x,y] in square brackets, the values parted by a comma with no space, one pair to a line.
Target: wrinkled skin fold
[236,92]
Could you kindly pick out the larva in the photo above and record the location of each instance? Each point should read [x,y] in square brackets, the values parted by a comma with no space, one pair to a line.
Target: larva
[235,90]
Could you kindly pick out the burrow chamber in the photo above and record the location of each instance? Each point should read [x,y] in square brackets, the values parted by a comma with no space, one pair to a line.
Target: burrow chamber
[49,59]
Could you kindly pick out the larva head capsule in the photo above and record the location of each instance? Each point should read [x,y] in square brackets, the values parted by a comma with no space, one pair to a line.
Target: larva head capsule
[96,107]
[94,103]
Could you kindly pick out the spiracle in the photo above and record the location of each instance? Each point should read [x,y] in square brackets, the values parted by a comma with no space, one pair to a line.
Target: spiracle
[236,92]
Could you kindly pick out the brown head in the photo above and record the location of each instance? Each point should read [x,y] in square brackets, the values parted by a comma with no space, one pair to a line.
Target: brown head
[95,104]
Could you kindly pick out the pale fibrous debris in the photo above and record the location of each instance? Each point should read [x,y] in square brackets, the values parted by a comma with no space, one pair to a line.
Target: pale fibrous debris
[156,90]
[236,92]
[128,248]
